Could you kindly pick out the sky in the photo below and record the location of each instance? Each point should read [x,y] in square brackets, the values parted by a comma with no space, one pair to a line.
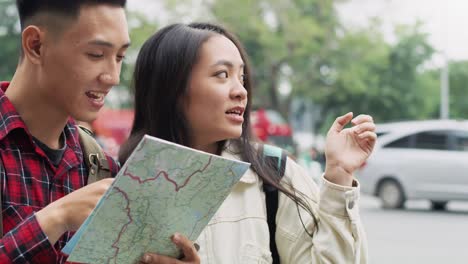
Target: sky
[444,20]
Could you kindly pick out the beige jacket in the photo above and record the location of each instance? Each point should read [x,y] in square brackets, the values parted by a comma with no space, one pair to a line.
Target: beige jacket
[238,232]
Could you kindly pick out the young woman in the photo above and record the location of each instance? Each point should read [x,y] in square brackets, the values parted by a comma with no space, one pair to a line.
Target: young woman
[192,87]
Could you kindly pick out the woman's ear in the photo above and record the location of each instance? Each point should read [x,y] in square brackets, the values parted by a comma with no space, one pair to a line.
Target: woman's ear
[32,39]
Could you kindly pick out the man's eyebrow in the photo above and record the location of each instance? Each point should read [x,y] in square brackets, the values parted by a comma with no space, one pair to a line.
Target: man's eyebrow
[107,44]
[226,63]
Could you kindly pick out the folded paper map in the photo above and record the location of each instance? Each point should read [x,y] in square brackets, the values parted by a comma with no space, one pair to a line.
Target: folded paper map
[163,188]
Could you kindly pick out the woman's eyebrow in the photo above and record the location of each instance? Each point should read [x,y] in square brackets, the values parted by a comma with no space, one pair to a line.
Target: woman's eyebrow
[227,63]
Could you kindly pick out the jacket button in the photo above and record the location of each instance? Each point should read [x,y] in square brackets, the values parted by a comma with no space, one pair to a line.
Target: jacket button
[351,205]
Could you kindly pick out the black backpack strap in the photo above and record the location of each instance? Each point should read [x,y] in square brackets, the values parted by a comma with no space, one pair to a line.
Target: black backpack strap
[93,156]
[276,157]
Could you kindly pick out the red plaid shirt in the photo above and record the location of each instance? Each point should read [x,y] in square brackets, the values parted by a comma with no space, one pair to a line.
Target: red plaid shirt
[29,182]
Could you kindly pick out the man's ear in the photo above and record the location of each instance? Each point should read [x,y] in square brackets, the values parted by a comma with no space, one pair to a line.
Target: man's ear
[32,43]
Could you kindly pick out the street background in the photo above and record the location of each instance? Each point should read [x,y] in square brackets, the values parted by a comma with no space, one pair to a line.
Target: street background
[417,234]
[314,60]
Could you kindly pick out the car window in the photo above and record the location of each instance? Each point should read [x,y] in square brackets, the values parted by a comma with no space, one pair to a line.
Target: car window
[403,142]
[437,140]
[379,134]
[460,140]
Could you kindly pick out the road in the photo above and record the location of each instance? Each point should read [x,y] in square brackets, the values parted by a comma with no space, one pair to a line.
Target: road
[416,234]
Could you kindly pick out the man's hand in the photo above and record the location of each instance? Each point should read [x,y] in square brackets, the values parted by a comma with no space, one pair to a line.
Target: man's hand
[187,247]
[70,211]
[348,148]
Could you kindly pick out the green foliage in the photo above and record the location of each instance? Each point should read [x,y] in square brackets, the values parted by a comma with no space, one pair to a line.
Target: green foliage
[9,39]
[458,78]
[140,30]
[411,51]
[386,81]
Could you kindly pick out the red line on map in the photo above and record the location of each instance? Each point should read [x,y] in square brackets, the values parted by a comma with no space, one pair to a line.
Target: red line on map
[124,227]
[166,176]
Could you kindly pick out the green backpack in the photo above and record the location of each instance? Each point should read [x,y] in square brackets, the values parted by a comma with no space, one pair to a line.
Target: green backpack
[93,156]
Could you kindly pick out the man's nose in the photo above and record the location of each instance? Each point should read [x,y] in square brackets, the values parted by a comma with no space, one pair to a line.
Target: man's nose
[112,75]
[110,79]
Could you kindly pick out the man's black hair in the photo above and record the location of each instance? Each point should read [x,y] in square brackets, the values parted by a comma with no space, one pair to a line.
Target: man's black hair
[27,9]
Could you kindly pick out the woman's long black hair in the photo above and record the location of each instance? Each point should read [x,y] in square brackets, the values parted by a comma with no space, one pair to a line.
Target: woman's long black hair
[161,79]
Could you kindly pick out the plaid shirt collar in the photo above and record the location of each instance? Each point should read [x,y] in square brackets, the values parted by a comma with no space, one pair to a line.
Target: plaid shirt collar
[10,120]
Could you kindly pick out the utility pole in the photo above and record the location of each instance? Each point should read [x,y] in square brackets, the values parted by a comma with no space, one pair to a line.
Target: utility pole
[444,90]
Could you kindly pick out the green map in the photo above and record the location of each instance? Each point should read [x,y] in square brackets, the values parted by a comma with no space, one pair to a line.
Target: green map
[162,189]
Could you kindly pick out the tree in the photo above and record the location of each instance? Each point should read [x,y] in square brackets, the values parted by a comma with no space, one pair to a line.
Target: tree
[387,81]
[9,39]
[413,96]
[140,28]
[458,78]
[353,76]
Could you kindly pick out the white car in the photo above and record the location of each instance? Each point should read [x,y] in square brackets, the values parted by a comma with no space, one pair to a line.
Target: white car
[418,160]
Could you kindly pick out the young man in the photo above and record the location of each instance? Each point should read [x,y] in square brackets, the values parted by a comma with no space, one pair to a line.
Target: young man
[71,57]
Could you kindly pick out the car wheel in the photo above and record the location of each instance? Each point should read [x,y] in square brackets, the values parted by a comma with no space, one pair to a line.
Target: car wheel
[391,194]
[439,205]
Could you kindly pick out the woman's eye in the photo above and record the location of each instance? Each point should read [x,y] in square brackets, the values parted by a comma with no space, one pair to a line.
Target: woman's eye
[222,74]
[243,78]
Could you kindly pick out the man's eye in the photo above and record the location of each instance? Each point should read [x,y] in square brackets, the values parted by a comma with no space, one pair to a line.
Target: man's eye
[120,57]
[95,55]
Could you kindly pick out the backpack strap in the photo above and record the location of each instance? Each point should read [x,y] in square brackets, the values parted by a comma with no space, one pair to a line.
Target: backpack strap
[277,158]
[93,156]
